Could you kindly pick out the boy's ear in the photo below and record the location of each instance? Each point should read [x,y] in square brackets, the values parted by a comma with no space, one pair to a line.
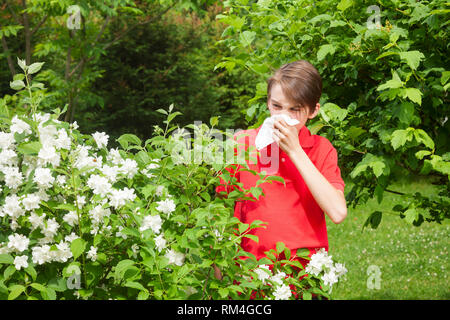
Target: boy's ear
[316,111]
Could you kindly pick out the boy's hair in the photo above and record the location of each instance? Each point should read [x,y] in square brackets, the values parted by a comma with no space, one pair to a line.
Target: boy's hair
[301,83]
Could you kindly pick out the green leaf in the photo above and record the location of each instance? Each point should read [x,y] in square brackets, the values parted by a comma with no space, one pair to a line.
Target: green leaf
[6,258]
[77,247]
[374,220]
[324,50]
[411,215]
[344,5]
[246,38]
[35,67]
[413,94]
[15,291]
[394,83]
[252,237]
[422,153]
[22,64]
[30,148]
[412,58]
[333,112]
[38,286]
[423,137]
[48,294]
[280,247]
[17,84]
[399,138]
[128,138]
[135,285]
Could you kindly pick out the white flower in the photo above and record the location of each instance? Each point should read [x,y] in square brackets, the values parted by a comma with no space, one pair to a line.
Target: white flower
[12,206]
[13,178]
[159,191]
[20,262]
[36,221]
[319,261]
[43,177]
[92,253]
[8,157]
[166,206]
[48,154]
[151,222]
[278,278]
[81,201]
[101,139]
[263,272]
[71,237]
[71,218]
[51,229]
[330,278]
[160,242]
[6,140]
[175,258]
[19,126]
[63,254]
[61,180]
[111,172]
[282,292]
[99,185]
[114,156]
[18,242]
[98,213]
[41,255]
[63,141]
[118,198]
[31,201]
[129,168]
[135,249]
[119,234]
[340,269]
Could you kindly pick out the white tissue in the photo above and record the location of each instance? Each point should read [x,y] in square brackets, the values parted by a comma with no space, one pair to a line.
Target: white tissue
[264,137]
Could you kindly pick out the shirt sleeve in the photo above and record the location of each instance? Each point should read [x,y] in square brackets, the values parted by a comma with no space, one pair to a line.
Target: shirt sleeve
[331,170]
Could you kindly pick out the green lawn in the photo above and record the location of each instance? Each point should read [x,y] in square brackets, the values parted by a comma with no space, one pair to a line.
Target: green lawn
[413,261]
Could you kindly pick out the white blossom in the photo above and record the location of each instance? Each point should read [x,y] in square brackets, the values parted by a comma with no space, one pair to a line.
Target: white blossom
[21,262]
[18,242]
[101,139]
[31,201]
[151,222]
[43,177]
[282,292]
[13,177]
[160,242]
[19,126]
[166,206]
[99,185]
[174,257]
[92,253]
[263,272]
[71,218]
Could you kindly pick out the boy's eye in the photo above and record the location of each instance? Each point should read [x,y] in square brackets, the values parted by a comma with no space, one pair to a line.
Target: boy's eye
[276,106]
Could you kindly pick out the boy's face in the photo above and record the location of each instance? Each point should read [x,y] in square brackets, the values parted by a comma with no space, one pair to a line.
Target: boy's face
[279,104]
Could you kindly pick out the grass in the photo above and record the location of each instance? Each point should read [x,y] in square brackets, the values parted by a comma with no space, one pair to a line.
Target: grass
[413,261]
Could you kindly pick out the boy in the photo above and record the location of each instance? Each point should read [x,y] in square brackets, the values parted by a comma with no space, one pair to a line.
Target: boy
[308,163]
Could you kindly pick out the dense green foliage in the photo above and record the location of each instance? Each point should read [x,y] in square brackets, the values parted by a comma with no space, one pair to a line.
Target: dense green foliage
[385,101]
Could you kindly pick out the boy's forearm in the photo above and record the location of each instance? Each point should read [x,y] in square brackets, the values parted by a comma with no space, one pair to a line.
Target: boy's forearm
[331,200]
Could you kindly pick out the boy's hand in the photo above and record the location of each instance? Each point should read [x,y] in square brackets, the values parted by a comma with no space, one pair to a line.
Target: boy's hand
[286,136]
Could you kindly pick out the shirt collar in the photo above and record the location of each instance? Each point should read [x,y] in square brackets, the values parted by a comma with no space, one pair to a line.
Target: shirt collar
[305,138]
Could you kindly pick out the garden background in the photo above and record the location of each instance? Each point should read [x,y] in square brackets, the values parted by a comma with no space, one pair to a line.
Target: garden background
[111,67]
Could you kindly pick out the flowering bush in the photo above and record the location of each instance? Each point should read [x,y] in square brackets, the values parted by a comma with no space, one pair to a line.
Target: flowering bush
[136,222]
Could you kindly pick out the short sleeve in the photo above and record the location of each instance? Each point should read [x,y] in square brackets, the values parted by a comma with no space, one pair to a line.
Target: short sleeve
[331,170]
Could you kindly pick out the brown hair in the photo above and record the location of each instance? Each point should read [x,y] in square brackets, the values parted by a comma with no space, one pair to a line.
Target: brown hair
[301,83]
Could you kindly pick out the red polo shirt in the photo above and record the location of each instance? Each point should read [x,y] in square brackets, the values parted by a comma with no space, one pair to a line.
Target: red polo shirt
[292,214]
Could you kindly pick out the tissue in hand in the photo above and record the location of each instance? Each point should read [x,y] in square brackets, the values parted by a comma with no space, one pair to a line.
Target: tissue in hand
[264,137]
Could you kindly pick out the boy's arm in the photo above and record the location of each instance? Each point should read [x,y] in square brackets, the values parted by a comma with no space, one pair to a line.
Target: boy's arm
[330,199]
